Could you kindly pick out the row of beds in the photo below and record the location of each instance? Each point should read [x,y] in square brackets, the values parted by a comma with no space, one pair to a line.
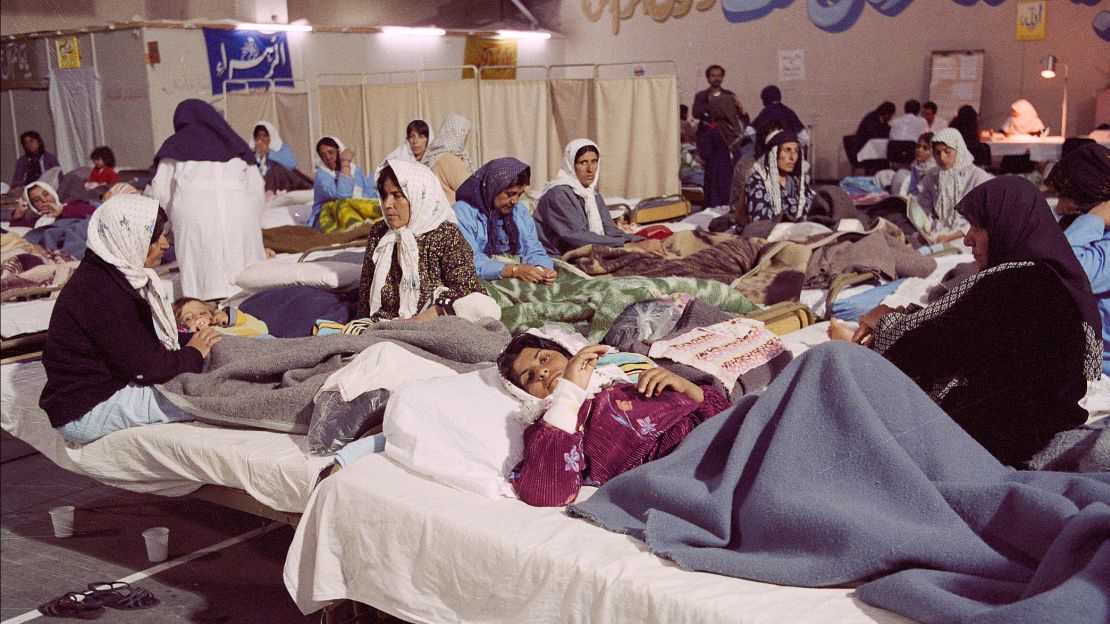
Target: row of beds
[380,534]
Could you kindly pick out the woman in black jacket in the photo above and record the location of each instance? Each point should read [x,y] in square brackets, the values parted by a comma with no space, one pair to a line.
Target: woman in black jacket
[112,334]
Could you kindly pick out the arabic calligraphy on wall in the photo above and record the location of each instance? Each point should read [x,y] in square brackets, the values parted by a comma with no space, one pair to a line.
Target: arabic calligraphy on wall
[238,55]
[658,10]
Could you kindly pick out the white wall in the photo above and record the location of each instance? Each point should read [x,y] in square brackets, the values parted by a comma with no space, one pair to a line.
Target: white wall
[847,74]
[182,74]
[121,63]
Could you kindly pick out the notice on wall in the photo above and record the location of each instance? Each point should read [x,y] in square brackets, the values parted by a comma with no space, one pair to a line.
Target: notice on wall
[956,79]
[481,52]
[1030,24]
[792,65]
[17,66]
[69,57]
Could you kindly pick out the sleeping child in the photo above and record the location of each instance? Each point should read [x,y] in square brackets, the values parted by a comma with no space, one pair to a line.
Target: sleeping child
[193,315]
[590,419]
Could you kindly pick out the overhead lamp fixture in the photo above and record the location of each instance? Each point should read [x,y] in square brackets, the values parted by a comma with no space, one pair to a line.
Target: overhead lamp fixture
[274,27]
[523,34]
[1048,70]
[406,31]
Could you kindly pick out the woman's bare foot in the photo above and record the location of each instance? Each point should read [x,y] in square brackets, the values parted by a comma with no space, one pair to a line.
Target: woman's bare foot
[839,330]
[270,253]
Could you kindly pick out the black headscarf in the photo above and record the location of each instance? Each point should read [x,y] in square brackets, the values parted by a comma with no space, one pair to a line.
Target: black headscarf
[34,159]
[201,133]
[967,122]
[775,111]
[1020,228]
[1083,175]
[480,189]
[770,94]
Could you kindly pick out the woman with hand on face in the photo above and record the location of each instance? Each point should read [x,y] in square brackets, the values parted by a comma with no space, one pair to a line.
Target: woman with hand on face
[337,177]
[41,207]
[778,187]
[943,187]
[1008,352]
[572,212]
[418,265]
[495,223]
[112,334]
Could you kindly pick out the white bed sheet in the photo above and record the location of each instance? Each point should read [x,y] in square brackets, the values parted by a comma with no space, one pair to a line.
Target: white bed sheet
[169,459]
[425,552]
[25,317]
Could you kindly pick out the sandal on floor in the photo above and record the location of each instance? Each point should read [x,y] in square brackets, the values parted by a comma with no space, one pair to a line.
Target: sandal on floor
[121,595]
[83,606]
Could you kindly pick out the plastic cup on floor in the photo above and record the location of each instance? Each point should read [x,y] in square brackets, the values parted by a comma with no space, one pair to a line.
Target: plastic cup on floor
[157,543]
[62,517]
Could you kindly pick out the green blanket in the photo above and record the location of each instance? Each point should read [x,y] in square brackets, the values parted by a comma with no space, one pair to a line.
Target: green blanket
[591,304]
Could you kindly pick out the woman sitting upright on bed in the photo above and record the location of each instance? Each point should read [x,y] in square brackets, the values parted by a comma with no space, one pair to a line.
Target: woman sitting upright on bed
[590,420]
[1008,352]
[572,213]
[446,155]
[495,223]
[337,177]
[943,187]
[418,266]
[778,186]
[112,335]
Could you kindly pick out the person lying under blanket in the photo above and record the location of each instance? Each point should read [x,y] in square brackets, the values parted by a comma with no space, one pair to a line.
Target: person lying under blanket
[194,315]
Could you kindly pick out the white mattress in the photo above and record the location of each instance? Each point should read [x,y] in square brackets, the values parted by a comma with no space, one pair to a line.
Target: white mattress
[425,552]
[170,459]
[25,317]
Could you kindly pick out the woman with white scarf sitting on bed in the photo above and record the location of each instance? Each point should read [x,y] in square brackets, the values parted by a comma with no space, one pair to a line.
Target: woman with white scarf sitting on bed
[777,186]
[571,213]
[112,334]
[418,265]
[413,149]
[337,177]
[943,187]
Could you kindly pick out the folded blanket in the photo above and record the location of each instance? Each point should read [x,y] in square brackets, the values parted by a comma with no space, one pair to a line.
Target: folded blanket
[874,485]
[299,239]
[878,252]
[340,215]
[270,384]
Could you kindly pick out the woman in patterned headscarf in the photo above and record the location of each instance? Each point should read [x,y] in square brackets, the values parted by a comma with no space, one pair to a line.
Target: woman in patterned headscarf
[495,223]
[447,157]
[418,265]
[112,334]
[943,187]
[778,185]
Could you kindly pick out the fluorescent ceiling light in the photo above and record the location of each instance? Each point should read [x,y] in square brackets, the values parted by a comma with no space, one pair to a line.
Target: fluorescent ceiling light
[275,27]
[406,31]
[523,34]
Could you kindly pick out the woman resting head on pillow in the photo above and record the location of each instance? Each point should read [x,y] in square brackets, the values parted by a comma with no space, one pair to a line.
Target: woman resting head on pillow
[496,223]
[418,265]
[632,421]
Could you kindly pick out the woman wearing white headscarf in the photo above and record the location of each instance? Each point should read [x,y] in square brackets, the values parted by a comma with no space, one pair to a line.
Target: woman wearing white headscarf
[270,149]
[112,333]
[943,187]
[571,213]
[1023,120]
[447,156]
[418,136]
[418,265]
[337,177]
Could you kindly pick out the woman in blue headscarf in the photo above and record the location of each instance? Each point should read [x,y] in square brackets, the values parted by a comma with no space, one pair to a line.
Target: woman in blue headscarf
[495,223]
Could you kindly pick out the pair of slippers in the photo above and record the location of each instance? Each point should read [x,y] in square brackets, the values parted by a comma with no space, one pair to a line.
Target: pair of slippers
[89,605]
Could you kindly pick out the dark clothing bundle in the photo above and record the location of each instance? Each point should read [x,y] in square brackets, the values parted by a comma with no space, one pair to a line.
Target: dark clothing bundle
[872,127]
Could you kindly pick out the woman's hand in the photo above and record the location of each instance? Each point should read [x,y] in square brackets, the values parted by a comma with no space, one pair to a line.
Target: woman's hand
[654,381]
[426,315]
[649,246]
[581,367]
[529,273]
[346,158]
[204,340]
[219,317]
[19,210]
[869,324]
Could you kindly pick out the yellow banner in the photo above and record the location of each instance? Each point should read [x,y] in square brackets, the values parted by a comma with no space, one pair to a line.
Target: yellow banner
[490,52]
[69,57]
[1030,20]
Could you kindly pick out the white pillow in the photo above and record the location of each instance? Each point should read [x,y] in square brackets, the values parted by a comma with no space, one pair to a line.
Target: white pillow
[457,430]
[291,198]
[274,274]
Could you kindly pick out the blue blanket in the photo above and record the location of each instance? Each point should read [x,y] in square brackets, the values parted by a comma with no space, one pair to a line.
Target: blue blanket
[68,235]
[843,471]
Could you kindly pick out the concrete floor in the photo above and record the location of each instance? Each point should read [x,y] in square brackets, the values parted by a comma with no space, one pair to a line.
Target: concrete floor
[240,583]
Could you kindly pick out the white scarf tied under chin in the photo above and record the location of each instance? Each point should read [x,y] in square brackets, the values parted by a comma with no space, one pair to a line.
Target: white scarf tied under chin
[334,173]
[532,408]
[43,220]
[119,234]
[428,209]
[567,177]
[952,182]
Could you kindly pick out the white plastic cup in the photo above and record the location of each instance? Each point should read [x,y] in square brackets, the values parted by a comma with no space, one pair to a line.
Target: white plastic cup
[157,543]
[62,517]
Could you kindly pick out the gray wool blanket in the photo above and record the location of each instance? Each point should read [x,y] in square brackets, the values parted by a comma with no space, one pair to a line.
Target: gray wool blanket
[270,384]
[842,472]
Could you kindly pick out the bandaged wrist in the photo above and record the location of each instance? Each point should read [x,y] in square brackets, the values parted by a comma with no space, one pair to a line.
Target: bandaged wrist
[565,403]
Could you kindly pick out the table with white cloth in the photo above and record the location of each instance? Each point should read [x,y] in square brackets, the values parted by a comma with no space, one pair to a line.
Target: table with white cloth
[1040,149]
[874,149]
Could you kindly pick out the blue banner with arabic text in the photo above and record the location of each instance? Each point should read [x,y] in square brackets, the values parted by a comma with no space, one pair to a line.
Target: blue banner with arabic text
[238,55]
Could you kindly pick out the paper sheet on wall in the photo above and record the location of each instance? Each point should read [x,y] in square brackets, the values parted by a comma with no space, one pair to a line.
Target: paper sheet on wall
[944,68]
[963,91]
[969,67]
[792,64]
[956,79]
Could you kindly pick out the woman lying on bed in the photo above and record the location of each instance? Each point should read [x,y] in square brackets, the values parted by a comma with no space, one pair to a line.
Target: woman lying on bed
[572,213]
[112,334]
[418,265]
[590,419]
[496,224]
[1008,352]
[41,207]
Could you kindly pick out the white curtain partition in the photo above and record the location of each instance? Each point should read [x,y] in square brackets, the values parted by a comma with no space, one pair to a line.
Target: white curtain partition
[573,115]
[293,124]
[390,109]
[75,105]
[342,116]
[245,109]
[637,131]
[441,98]
[514,123]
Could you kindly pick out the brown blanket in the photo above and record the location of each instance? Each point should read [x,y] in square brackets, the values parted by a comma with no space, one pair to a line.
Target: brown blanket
[299,239]
[879,253]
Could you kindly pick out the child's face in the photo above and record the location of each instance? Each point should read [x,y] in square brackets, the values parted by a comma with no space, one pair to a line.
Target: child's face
[196,315]
[538,370]
[98,163]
